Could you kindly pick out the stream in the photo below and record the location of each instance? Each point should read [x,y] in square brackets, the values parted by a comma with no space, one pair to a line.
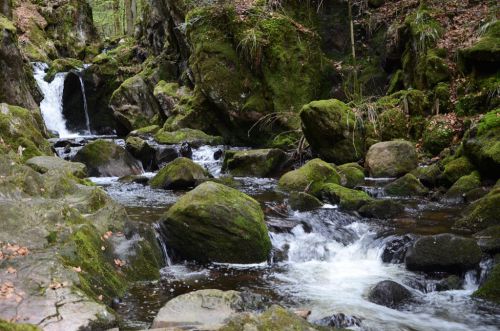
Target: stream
[324,260]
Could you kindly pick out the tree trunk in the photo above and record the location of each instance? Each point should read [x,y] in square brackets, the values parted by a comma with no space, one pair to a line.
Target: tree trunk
[129,17]
[116,11]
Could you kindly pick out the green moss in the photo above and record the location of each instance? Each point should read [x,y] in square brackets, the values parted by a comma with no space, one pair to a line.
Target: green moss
[148,130]
[6,24]
[181,173]
[191,136]
[490,289]
[310,177]
[351,175]
[7,326]
[62,65]
[169,89]
[393,124]
[490,121]
[406,186]
[346,198]
[255,162]
[485,52]
[438,134]
[457,168]
[463,185]
[482,213]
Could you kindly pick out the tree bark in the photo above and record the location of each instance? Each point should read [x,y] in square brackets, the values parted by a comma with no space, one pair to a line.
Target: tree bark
[116,11]
[129,16]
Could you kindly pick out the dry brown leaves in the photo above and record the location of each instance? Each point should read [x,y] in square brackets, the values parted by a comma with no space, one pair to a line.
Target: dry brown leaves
[8,251]
[9,292]
[27,14]
[120,263]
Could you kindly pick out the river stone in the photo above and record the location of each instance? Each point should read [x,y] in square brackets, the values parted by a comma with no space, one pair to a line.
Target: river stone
[200,310]
[482,213]
[43,164]
[351,175]
[215,223]
[396,248]
[489,239]
[389,293]
[406,186]
[255,162]
[310,177]
[443,253]
[181,173]
[302,201]
[106,159]
[391,158]
[382,209]
[141,150]
[345,197]
[193,137]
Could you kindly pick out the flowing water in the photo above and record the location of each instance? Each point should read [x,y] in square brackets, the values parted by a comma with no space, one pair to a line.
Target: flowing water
[85,109]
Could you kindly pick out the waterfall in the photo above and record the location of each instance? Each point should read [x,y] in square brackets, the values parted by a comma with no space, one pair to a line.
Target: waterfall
[51,105]
[87,119]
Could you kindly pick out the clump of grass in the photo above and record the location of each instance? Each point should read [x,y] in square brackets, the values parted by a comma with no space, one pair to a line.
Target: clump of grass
[425,30]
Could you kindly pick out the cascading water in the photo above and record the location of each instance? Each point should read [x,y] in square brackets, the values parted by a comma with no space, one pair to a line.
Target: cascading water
[51,105]
[85,109]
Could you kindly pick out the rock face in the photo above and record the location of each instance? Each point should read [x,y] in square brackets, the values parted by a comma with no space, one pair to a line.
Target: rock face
[182,173]
[256,162]
[217,223]
[389,293]
[310,177]
[104,158]
[443,253]
[45,164]
[330,128]
[391,158]
[203,310]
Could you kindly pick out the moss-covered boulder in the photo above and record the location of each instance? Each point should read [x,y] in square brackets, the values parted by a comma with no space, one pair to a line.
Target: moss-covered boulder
[406,186]
[215,223]
[134,104]
[481,213]
[391,158]
[428,175]
[463,185]
[45,164]
[191,136]
[22,132]
[485,53]
[142,150]
[346,198]
[351,174]
[490,289]
[456,168]
[62,65]
[483,145]
[381,209]
[439,133]
[104,158]
[302,201]
[254,162]
[330,128]
[393,124]
[443,253]
[489,239]
[310,177]
[181,173]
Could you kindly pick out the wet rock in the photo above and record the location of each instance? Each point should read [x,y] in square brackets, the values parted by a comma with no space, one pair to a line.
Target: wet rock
[346,198]
[490,289]
[339,320]
[482,213]
[166,154]
[217,223]
[302,201]
[443,253]
[328,126]
[489,239]
[202,310]
[429,175]
[106,159]
[218,154]
[43,164]
[255,163]
[406,186]
[351,175]
[439,133]
[310,177]
[146,132]
[62,65]
[390,294]
[455,169]
[142,151]
[452,282]
[185,150]
[382,209]
[395,250]
[138,179]
[464,184]
[391,158]
[181,173]
[195,138]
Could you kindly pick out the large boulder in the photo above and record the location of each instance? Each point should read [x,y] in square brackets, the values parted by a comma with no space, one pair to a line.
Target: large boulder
[406,186]
[106,159]
[44,164]
[181,173]
[464,184]
[443,253]
[351,174]
[456,168]
[481,213]
[302,201]
[330,128]
[201,310]
[215,223]
[193,137]
[391,158]
[389,293]
[483,145]
[310,177]
[255,162]
[346,198]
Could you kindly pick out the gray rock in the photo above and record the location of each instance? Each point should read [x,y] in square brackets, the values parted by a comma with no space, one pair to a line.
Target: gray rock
[389,293]
[391,158]
[43,164]
[256,162]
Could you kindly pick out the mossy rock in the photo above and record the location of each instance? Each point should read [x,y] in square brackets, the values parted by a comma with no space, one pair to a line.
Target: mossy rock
[310,177]
[455,169]
[411,101]
[330,128]
[181,173]
[346,198]
[105,158]
[482,213]
[254,162]
[142,150]
[391,158]
[483,145]
[191,136]
[443,253]
[351,174]
[44,164]
[485,52]
[62,65]
[428,175]
[7,326]
[381,209]
[393,124]
[145,132]
[406,186]
[490,289]
[215,223]
[302,201]
[438,134]
[489,239]
[463,185]
[22,133]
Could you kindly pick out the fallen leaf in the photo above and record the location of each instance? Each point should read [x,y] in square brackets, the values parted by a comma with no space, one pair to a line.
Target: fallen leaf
[11,270]
[120,263]
[77,269]
[100,297]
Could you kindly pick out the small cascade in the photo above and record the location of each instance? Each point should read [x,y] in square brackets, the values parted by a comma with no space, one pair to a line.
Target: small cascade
[163,245]
[87,118]
[51,105]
